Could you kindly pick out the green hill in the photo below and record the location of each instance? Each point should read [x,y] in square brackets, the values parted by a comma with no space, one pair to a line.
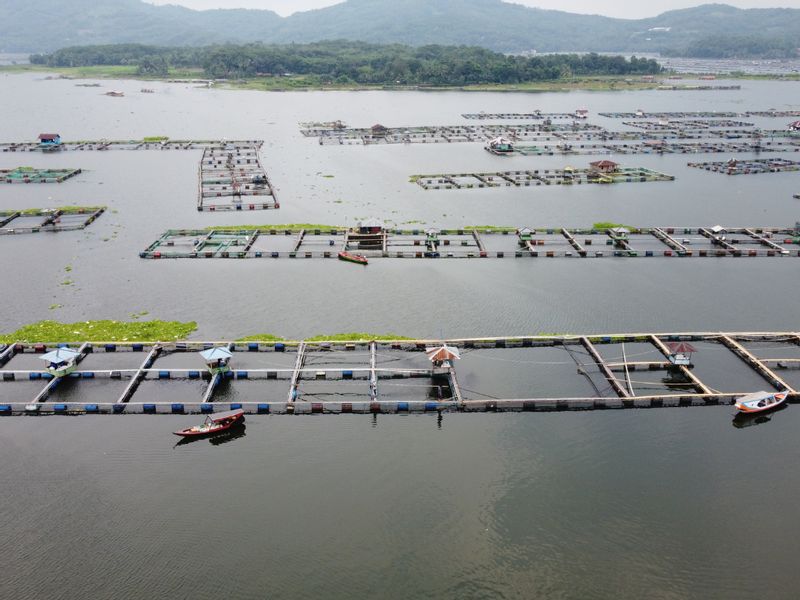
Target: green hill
[45,25]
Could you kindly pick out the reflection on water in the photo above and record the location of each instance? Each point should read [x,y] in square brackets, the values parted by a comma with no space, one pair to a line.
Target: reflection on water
[741,420]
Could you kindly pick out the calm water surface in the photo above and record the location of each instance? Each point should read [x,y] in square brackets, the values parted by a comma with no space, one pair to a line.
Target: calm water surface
[658,504]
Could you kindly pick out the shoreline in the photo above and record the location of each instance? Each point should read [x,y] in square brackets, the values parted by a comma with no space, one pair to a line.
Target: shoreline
[301,84]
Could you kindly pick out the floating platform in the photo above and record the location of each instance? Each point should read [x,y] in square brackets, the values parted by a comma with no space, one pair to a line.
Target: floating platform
[531,116]
[749,167]
[231,177]
[690,124]
[443,134]
[95,145]
[659,147]
[565,176]
[579,131]
[31,175]
[40,220]
[697,88]
[514,373]
[560,242]
[783,114]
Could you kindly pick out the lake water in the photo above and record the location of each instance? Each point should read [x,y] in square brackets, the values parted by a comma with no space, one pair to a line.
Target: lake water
[662,503]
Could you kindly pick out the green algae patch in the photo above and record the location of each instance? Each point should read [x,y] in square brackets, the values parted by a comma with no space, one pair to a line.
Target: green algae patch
[101,331]
[610,225]
[261,337]
[356,337]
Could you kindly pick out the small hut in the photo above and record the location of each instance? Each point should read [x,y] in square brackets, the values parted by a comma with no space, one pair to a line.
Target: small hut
[370,226]
[680,353]
[604,166]
[581,113]
[525,236]
[442,358]
[619,234]
[500,146]
[49,141]
[379,130]
[432,236]
[217,359]
[61,361]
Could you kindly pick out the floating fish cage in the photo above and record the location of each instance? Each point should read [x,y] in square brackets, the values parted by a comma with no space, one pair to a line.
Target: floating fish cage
[534,116]
[659,147]
[561,242]
[537,177]
[749,167]
[40,220]
[231,177]
[691,124]
[31,175]
[783,114]
[524,373]
[443,134]
[94,145]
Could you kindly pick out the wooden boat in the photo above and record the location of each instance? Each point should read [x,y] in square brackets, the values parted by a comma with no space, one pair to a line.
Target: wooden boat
[359,259]
[214,424]
[760,402]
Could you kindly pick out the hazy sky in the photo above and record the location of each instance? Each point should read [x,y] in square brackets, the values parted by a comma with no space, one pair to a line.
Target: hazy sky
[612,8]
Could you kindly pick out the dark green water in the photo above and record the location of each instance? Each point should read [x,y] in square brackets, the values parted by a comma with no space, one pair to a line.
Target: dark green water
[670,503]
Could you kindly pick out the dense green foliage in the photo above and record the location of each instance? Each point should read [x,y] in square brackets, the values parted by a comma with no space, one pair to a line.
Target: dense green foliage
[740,46]
[353,62]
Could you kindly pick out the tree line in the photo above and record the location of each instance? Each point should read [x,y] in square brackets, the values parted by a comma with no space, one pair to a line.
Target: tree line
[352,62]
[740,46]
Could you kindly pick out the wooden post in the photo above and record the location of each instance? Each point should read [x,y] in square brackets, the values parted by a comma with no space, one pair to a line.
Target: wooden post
[764,241]
[670,241]
[615,384]
[140,373]
[373,377]
[685,371]
[299,240]
[298,365]
[479,242]
[454,387]
[573,242]
[756,364]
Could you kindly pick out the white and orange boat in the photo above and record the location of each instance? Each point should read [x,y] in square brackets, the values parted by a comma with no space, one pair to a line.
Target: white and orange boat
[759,402]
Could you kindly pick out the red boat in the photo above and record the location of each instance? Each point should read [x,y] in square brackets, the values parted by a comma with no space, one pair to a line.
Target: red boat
[214,424]
[359,259]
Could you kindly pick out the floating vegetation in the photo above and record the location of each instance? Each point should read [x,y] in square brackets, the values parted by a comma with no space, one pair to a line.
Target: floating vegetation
[100,331]
[356,337]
